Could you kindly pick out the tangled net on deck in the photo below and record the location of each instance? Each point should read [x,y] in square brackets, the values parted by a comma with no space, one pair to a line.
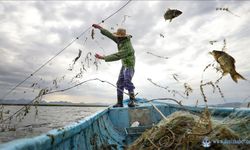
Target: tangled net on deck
[183,130]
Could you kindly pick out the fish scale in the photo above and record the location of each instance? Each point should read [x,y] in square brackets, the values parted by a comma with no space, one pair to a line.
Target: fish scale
[227,64]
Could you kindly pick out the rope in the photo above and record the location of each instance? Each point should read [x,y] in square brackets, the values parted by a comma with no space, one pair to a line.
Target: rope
[73,41]
[163,116]
[116,11]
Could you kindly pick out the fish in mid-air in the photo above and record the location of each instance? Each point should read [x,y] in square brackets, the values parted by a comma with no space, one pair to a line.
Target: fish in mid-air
[227,64]
[161,35]
[212,42]
[171,14]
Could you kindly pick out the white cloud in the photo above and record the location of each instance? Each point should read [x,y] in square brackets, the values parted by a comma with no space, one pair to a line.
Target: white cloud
[33,33]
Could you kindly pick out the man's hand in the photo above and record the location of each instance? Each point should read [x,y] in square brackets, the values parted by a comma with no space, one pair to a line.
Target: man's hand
[96,26]
[99,56]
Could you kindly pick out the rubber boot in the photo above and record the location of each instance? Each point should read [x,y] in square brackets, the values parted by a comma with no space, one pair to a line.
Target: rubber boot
[119,101]
[131,103]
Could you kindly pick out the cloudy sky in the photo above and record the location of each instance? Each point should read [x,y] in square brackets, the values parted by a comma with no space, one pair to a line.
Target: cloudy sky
[32,32]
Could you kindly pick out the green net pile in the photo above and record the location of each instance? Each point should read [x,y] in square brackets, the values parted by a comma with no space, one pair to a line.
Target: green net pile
[183,130]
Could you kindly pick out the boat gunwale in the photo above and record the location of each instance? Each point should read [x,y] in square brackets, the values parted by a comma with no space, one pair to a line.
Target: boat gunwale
[54,136]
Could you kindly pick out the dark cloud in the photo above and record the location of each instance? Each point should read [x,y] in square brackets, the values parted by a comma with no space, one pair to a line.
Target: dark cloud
[185,41]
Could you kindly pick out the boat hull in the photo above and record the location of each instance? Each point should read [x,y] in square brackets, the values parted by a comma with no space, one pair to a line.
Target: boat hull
[110,128]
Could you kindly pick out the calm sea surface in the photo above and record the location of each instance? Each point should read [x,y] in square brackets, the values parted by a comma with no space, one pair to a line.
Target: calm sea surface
[48,118]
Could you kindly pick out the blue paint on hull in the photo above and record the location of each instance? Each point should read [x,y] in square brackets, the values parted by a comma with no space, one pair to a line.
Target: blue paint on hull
[110,128]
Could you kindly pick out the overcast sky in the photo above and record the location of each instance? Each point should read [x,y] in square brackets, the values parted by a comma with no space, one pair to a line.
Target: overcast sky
[32,32]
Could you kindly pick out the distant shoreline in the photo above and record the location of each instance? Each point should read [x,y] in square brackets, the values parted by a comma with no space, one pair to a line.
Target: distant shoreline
[61,105]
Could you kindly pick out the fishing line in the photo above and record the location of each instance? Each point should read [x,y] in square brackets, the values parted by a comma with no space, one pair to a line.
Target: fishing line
[116,11]
[63,90]
[73,41]
[43,65]
[171,91]
[98,44]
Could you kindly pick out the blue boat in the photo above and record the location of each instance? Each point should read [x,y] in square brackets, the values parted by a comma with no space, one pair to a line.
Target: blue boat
[110,128]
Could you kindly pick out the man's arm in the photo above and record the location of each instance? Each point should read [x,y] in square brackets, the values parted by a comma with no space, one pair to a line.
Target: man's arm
[108,34]
[116,56]
[105,32]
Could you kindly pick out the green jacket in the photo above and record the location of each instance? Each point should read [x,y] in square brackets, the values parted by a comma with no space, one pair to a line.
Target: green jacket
[125,50]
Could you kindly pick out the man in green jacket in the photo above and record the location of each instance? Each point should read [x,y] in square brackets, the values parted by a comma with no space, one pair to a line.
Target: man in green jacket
[126,55]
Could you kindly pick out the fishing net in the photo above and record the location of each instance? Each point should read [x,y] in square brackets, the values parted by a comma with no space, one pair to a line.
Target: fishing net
[183,130]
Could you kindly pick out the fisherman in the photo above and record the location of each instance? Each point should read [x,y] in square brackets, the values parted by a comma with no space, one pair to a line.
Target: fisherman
[126,54]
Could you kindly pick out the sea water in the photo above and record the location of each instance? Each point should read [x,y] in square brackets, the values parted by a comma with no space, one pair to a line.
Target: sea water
[48,118]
